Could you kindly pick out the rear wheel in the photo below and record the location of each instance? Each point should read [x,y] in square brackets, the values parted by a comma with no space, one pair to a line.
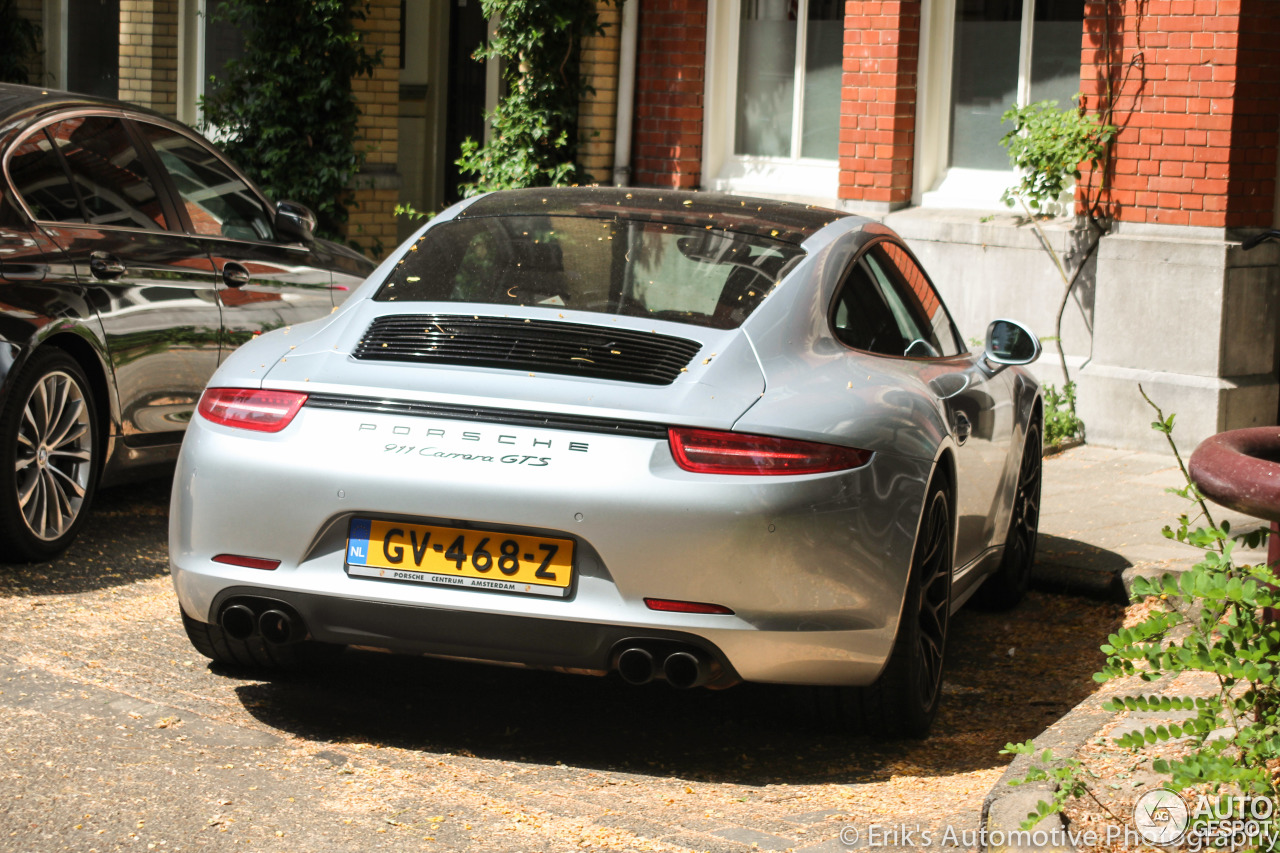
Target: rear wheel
[48,457]
[1008,584]
[904,701]
[254,652]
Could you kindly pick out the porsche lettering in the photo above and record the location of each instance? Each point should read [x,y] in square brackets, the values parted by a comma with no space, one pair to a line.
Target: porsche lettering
[508,439]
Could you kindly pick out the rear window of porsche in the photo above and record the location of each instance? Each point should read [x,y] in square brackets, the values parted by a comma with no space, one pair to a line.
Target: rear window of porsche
[637,268]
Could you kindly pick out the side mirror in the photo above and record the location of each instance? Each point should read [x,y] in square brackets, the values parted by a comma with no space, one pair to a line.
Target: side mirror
[1010,342]
[295,222]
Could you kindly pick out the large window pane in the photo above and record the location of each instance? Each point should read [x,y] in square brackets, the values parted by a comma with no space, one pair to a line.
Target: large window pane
[766,78]
[823,61]
[984,79]
[111,179]
[1055,53]
[93,46]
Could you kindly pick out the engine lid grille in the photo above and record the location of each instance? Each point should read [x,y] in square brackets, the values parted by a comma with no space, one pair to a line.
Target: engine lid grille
[544,346]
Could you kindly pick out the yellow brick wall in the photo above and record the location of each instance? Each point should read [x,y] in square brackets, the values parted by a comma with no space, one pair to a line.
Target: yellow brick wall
[372,221]
[597,113]
[149,54]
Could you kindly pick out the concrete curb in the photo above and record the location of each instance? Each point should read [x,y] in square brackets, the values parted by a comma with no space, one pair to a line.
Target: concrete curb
[1005,807]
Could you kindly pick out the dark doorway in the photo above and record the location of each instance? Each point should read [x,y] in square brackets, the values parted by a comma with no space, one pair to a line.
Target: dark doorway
[223,42]
[464,117]
[93,47]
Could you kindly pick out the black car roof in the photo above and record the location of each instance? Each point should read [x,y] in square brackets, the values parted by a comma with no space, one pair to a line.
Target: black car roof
[791,222]
[16,99]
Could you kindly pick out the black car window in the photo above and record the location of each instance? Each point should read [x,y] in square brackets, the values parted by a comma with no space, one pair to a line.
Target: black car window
[108,173]
[863,318]
[218,202]
[38,175]
[918,296]
[614,266]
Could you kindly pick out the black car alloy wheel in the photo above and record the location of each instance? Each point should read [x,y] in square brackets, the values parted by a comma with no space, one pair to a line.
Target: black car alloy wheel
[903,701]
[47,442]
[1008,584]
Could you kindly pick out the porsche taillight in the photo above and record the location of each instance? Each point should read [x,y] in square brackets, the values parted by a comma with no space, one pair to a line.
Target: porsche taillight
[706,451]
[250,408]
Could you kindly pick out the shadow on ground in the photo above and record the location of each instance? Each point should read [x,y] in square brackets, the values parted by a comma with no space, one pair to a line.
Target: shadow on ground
[1068,567]
[124,540]
[1011,676]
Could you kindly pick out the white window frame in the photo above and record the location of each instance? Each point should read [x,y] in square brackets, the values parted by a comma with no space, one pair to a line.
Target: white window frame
[934,183]
[192,75]
[800,178]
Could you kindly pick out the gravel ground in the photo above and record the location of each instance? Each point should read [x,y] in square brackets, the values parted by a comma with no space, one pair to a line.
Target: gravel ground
[119,736]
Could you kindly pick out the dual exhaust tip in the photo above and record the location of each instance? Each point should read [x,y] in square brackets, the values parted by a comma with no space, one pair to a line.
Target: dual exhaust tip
[273,624]
[684,668]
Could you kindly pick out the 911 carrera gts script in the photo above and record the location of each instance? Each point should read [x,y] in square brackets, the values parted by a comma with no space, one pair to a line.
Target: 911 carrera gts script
[437,453]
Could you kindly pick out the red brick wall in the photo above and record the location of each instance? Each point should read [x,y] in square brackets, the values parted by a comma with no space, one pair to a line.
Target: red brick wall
[878,115]
[671,56]
[1196,90]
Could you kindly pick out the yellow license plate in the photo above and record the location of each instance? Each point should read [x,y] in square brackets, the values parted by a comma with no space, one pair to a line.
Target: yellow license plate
[449,556]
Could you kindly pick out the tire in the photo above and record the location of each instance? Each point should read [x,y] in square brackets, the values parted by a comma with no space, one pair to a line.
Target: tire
[255,653]
[49,457]
[1006,586]
[904,701]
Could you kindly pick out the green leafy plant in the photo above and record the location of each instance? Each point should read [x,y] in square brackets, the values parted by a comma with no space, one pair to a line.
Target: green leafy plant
[1214,619]
[285,109]
[1060,420]
[412,213]
[1047,146]
[534,127]
[21,39]
[1066,776]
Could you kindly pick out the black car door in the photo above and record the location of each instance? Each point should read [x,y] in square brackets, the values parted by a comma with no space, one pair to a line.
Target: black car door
[153,286]
[263,283]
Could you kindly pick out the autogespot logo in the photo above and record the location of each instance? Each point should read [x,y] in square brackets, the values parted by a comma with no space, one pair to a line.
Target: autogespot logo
[1161,817]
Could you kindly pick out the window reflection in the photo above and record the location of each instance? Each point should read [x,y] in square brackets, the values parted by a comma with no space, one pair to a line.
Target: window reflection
[217,201]
[107,172]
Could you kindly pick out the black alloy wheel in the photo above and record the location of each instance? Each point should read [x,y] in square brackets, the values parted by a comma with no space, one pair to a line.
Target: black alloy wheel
[904,701]
[48,457]
[1007,585]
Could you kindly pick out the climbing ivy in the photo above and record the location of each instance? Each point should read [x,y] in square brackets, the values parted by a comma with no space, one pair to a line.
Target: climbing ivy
[284,110]
[535,126]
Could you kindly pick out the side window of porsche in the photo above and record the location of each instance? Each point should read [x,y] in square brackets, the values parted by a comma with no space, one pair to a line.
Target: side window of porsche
[863,318]
[918,297]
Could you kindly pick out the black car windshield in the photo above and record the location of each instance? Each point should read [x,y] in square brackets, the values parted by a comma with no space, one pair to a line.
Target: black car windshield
[637,268]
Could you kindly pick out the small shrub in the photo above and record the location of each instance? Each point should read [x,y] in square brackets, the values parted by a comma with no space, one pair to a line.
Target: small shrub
[1061,423]
[1047,145]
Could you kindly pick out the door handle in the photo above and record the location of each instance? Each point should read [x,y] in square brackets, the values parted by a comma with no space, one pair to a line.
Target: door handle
[963,427]
[105,266]
[234,275]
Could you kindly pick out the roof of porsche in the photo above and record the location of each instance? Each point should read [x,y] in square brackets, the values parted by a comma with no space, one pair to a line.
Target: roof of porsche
[791,222]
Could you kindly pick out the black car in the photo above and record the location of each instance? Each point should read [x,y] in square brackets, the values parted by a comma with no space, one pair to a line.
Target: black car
[133,259]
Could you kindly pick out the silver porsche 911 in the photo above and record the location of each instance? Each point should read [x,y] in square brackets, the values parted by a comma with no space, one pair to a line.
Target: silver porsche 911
[679,436]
